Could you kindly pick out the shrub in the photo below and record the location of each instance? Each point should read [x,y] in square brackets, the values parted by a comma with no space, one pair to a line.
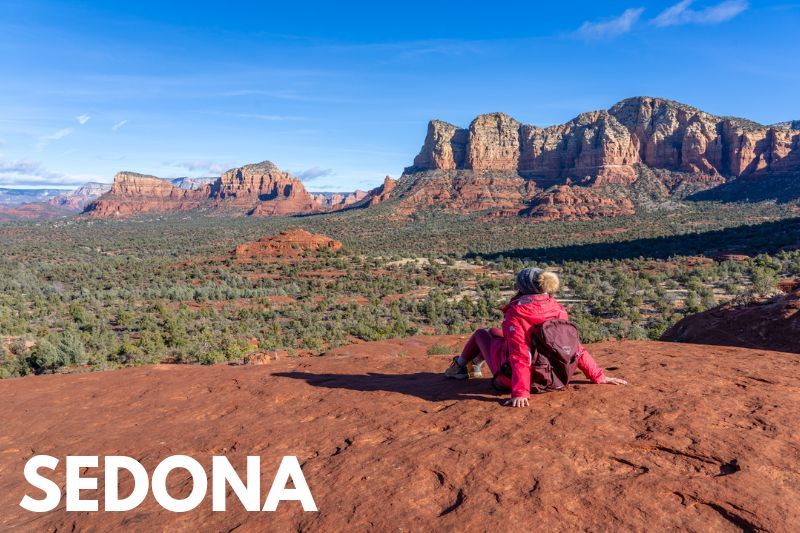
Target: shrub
[440,349]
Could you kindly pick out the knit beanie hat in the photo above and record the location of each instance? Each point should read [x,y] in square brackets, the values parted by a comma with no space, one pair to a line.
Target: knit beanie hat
[528,280]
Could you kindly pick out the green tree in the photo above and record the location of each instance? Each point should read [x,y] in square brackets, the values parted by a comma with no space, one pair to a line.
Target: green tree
[46,357]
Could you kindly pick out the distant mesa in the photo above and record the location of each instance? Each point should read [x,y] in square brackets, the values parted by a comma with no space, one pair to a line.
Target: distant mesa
[78,199]
[773,324]
[291,243]
[260,189]
[39,204]
[135,194]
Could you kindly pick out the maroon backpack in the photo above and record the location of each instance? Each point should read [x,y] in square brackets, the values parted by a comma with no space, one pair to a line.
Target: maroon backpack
[554,345]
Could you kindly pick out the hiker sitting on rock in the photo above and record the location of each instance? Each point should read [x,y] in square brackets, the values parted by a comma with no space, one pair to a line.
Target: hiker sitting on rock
[534,324]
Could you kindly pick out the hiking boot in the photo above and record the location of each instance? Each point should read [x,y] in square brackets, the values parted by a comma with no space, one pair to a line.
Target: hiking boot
[456,371]
[474,370]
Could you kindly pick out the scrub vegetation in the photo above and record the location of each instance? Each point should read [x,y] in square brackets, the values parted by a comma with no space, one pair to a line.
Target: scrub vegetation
[78,295]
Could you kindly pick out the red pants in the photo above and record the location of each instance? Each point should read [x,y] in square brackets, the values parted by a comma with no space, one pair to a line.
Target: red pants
[490,345]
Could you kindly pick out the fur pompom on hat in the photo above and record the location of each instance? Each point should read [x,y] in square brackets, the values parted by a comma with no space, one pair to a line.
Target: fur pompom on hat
[534,280]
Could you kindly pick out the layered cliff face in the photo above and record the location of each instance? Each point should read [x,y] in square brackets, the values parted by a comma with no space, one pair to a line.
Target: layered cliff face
[598,149]
[445,147]
[651,131]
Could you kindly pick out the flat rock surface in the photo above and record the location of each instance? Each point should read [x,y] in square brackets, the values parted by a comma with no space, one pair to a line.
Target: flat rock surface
[704,439]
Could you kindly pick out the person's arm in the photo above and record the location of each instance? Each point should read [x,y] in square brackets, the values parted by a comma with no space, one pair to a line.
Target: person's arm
[588,366]
[515,331]
[592,370]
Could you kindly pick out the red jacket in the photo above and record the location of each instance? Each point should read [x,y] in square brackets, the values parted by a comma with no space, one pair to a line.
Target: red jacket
[520,316]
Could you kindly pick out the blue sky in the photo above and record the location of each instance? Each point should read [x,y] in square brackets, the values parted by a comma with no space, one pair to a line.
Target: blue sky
[340,93]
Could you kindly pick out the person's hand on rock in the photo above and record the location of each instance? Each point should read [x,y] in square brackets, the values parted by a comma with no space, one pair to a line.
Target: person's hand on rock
[517,402]
[608,380]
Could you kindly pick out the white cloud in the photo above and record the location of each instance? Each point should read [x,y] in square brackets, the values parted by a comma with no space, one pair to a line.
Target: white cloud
[33,174]
[82,119]
[55,136]
[203,167]
[118,125]
[607,29]
[682,13]
[60,134]
[314,173]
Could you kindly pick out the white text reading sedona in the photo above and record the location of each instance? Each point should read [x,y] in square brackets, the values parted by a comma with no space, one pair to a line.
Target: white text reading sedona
[222,475]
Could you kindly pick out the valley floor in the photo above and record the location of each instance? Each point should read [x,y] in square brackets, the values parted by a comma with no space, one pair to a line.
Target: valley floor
[704,438]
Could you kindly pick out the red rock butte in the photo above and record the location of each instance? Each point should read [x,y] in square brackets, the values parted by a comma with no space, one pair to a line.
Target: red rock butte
[590,166]
[607,144]
[703,439]
[287,244]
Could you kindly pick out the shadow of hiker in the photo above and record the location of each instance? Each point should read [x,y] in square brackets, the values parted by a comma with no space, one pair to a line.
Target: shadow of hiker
[429,386]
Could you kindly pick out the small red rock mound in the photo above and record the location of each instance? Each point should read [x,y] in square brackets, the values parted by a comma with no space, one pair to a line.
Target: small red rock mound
[287,244]
[771,325]
[566,202]
[704,439]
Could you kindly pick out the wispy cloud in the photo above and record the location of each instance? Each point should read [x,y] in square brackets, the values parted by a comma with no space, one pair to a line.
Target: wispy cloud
[118,125]
[55,136]
[314,173]
[682,13]
[204,167]
[82,119]
[60,134]
[32,173]
[608,29]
